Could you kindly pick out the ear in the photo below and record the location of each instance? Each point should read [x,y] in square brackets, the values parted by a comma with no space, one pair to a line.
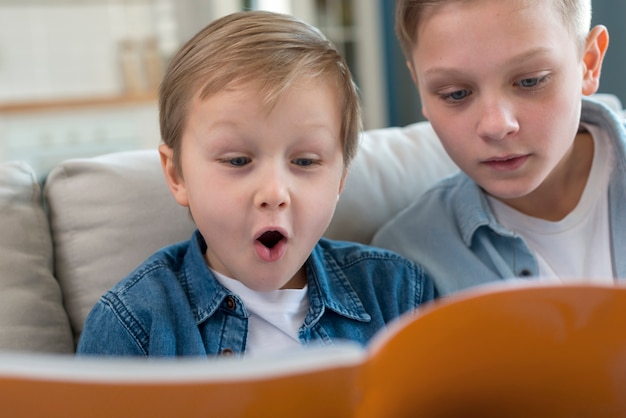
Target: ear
[595,49]
[412,71]
[174,179]
[342,182]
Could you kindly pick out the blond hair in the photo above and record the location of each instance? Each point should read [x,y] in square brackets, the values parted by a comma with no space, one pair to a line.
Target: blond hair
[272,50]
[575,15]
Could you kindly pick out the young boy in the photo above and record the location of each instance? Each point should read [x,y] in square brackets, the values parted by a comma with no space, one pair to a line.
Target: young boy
[260,119]
[543,168]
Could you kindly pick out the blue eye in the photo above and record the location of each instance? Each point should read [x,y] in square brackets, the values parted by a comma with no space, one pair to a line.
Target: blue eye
[529,82]
[534,83]
[239,161]
[456,95]
[303,162]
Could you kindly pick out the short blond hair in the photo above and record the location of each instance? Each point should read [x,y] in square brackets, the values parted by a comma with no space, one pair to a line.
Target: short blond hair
[270,49]
[575,14]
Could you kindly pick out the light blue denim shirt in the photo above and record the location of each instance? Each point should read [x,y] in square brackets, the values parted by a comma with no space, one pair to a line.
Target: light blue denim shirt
[452,231]
[172,305]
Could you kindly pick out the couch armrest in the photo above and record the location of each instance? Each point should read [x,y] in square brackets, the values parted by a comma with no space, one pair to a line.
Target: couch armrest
[32,317]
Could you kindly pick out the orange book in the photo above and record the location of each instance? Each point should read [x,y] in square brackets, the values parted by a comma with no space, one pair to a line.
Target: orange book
[537,350]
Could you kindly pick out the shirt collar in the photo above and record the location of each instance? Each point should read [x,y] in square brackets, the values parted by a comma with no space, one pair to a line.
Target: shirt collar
[204,291]
[473,211]
[328,286]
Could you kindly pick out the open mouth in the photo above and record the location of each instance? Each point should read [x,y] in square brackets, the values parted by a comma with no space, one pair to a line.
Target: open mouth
[270,238]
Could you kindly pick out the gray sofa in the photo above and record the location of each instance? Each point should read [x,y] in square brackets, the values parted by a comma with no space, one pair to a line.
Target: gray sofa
[64,243]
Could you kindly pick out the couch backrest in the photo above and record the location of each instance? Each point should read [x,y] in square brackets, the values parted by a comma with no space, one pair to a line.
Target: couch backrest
[107,214]
[392,168]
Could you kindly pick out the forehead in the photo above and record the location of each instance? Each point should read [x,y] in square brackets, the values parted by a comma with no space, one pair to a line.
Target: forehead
[271,90]
[305,99]
[465,33]
[490,8]
[491,11]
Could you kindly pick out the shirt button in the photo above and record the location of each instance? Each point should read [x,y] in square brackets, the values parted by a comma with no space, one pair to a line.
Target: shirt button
[230,303]
[227,352]
[525,273]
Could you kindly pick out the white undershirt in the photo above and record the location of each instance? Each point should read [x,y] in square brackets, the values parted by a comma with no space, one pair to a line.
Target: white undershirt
[577,248]
[275,317]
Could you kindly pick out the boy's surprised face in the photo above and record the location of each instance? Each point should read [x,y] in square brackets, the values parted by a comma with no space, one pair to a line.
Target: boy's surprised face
[501,83]
[262,182]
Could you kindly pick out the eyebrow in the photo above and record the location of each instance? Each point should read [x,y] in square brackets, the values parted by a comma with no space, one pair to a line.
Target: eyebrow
[515,60]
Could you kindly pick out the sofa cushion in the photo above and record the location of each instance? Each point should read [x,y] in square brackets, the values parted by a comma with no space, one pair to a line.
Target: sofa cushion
[392,168]
[107,215]
[32,317]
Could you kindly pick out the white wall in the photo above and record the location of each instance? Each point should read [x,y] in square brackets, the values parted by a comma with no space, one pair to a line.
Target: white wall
[67,50]
[60,51]
[71,49]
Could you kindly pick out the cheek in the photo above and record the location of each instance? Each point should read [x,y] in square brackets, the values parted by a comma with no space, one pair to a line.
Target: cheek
[317,217]
[455,136]
[209,201]
[320,202]
[558,118]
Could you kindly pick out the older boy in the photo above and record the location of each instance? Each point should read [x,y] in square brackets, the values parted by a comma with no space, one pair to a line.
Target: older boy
[543,168]
[260,120]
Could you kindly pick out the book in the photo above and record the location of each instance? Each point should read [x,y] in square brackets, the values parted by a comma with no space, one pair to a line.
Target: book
[510,350]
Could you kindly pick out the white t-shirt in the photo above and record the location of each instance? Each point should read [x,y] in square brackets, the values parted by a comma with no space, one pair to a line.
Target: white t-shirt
[577,248]
[275,317]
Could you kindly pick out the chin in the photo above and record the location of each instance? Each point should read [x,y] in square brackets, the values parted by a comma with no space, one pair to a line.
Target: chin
[505,194]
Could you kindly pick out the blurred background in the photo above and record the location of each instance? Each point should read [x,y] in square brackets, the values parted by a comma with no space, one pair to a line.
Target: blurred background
[79,77]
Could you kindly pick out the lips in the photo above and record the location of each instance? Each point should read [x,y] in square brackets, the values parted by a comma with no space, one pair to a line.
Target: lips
[270,245]
[509,163]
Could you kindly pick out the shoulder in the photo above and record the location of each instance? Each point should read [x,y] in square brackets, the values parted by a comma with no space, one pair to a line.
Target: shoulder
[359,262]
[369,267]
[442,196]
[445,193]
[346,253]
[158,276]
[436,207]
[438,224]
[126,311]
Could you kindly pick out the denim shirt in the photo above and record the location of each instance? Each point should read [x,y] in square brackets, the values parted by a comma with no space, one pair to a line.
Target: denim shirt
[172,305]
[452,232]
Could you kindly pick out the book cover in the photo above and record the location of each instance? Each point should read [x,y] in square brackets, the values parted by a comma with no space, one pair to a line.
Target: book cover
[496,351]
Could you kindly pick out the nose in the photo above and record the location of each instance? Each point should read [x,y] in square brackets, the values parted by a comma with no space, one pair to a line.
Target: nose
[497,120]
[272,190]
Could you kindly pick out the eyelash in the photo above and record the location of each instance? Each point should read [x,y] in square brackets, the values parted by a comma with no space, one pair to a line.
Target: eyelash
[238,162]
[539,81]
[305,162]
[449,97]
